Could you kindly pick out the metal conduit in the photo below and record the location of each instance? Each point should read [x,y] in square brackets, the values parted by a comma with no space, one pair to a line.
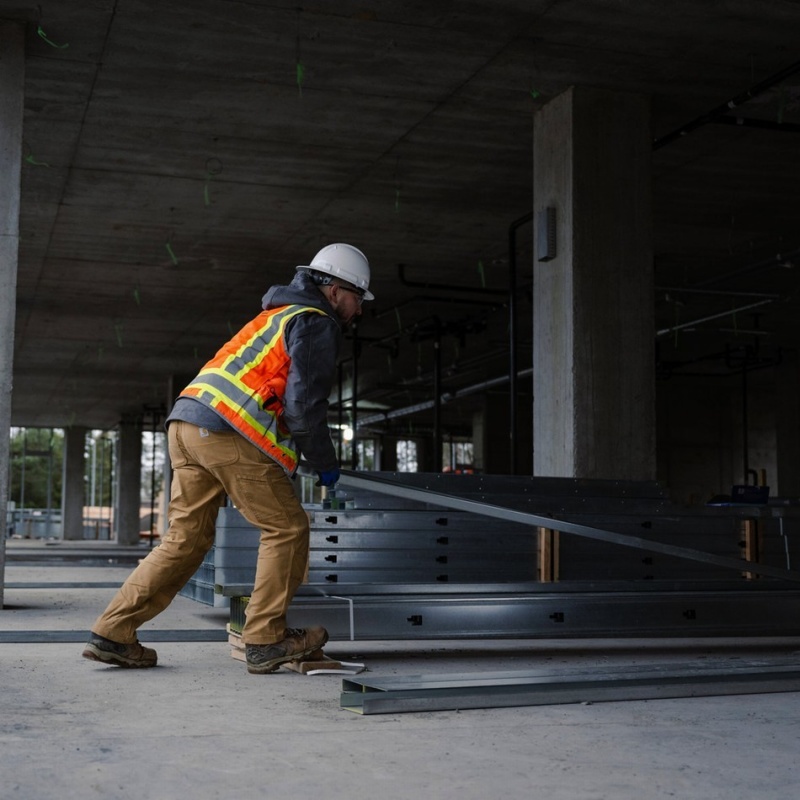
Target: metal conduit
[779,259]
[764,124]
[401,273]
[383,416]
[691,324]
[724,108]
[512,369]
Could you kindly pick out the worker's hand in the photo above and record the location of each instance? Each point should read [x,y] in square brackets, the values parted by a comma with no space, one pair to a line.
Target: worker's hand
[328,477]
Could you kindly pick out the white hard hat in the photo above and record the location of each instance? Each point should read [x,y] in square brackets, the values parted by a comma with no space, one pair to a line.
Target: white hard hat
[343,261]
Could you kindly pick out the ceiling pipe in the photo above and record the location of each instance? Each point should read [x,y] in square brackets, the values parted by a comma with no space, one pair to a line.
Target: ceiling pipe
[446,397]
[445,287]
[665,331]
[512,311]
[718,292]
[724,108]
[764,124]
[778,260]
[435,299]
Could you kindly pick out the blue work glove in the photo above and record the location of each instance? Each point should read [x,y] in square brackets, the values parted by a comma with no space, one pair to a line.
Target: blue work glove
[328,477]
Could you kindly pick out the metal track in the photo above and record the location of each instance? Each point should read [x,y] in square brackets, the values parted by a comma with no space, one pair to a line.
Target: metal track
[393,695]
[551,615]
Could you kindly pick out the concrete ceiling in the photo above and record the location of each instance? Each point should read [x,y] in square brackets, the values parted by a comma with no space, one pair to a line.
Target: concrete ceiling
[182,156]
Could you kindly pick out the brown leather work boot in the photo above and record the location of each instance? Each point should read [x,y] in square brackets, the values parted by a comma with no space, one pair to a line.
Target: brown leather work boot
[297,643]
[98,648]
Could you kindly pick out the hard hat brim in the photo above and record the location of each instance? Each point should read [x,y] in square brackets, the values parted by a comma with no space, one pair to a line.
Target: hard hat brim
[367,293]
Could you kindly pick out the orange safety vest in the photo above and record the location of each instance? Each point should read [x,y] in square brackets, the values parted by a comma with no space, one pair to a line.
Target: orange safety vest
[246,380]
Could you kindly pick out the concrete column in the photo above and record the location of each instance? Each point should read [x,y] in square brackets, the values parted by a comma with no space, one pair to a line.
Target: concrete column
[594,365]
[479,443]
[73,489]
[12,93]
[129,480]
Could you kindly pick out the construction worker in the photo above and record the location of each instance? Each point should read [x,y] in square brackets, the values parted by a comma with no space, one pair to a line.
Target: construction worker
[238,430]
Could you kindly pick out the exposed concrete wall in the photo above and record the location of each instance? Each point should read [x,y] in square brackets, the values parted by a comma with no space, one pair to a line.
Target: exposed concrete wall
[594,395]
[12,83]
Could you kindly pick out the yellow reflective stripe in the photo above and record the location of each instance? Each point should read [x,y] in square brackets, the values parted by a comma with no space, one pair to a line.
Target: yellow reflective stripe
[281,318]
[232,380]
[263,351]
[220,397]
[249,343]
[228,378]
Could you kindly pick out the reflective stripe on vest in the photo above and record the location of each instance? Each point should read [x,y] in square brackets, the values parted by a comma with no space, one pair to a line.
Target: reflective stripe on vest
[246,380]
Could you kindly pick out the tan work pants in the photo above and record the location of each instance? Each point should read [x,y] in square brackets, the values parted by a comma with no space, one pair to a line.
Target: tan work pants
[207,465]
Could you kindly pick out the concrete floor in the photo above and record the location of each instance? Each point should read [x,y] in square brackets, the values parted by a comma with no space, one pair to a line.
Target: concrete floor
[198,726]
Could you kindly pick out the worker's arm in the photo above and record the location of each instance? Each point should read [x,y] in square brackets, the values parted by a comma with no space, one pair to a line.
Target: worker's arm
[312,341]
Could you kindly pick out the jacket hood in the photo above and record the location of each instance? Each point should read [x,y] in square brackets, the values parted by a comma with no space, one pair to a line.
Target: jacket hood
[301,291]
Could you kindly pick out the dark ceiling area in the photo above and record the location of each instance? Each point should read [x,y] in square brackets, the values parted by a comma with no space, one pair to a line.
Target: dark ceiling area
[180,157]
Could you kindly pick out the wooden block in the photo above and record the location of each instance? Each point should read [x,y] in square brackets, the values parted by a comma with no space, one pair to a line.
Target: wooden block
[321,661]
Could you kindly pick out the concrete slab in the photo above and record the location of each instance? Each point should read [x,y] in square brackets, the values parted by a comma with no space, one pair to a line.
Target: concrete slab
[199,725]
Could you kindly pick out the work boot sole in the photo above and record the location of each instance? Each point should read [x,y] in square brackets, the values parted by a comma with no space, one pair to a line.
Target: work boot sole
[273,664]
[96,654]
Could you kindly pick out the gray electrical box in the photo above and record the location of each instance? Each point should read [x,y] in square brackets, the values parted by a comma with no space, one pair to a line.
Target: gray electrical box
[546,234]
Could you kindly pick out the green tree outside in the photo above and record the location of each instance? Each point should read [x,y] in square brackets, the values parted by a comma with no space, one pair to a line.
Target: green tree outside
[36,463]
[35,467]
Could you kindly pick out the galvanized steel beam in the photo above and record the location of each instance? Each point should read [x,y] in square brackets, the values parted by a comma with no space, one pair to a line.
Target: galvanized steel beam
[358,480]
[391,695]
[549,615]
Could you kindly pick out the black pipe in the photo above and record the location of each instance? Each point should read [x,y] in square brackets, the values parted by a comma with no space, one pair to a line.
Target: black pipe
[448,397]
[464,301]
[763,124]
[512,334]
[772,261]
[724,108]
[745,438]
[446,287]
